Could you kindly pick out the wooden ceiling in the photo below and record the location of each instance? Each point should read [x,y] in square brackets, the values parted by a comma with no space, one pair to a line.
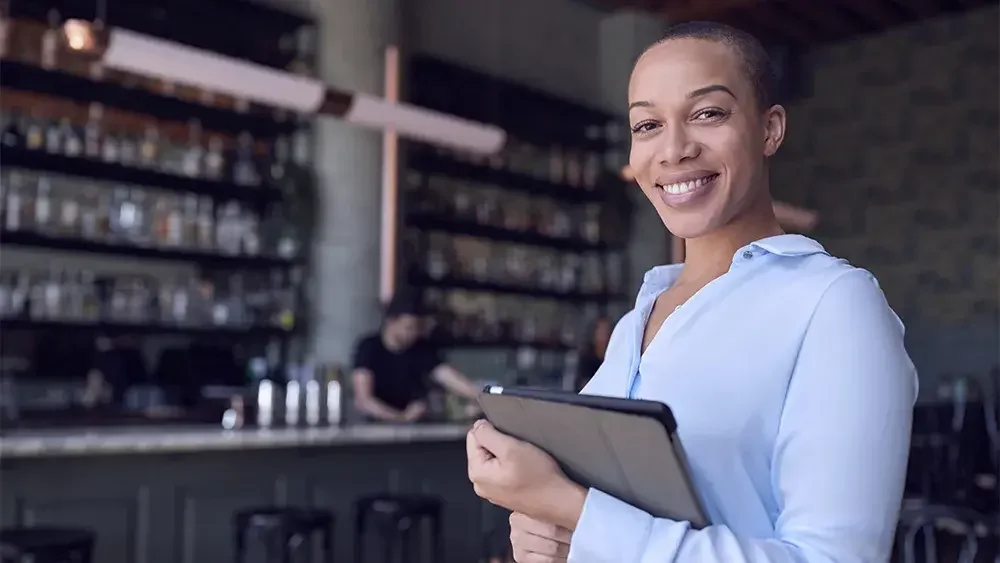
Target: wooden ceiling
[801,22]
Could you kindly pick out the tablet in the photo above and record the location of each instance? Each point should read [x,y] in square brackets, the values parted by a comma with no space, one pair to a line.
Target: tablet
[626,448]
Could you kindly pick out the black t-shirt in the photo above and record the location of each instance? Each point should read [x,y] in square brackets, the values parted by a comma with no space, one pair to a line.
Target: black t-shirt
[399,378]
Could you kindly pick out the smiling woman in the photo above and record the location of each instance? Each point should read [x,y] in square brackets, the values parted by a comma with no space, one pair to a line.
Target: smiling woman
[784,366]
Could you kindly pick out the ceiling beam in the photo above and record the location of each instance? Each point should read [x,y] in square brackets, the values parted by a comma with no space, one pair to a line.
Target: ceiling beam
[688,10]
[778,23]
[921,8]
[875,11]
[824,15]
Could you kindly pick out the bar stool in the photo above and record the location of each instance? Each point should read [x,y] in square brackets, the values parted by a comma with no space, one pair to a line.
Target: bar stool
[282,530]
[47,544]
[398,518]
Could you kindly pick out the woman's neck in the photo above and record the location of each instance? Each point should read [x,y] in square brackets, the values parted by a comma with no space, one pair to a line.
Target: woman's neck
[711,255]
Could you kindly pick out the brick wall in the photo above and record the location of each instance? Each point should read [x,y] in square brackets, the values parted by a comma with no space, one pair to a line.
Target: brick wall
[899,148]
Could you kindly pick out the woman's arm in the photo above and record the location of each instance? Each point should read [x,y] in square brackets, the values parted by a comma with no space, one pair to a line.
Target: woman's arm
[839,460]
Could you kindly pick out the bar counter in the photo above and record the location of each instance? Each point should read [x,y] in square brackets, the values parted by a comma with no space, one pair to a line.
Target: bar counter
[168,495]
[104,441]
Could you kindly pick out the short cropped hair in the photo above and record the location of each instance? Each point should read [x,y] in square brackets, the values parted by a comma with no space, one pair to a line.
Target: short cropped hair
[754,58]
[405,303]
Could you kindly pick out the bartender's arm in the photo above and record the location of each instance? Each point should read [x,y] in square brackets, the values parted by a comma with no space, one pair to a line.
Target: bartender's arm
[454,381]
[365,399]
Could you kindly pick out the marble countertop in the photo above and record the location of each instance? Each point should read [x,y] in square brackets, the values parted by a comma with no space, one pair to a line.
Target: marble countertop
[116,441]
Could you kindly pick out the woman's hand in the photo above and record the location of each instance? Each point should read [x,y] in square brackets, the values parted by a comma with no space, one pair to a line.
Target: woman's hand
[521,478]
[538,542]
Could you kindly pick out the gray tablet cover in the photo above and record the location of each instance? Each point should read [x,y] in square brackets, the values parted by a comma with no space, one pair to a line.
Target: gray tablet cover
[628,456]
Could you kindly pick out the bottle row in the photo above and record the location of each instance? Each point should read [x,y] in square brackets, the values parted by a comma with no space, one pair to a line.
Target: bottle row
[231,301]
[557,165]
[493,206]
[480,317]
[69,207]
[485,261]
[184,150]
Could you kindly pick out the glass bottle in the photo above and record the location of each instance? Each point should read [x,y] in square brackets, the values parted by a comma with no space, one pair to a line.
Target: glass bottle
[89,212]
[244,167]
[54,130]
[189,221]
[66,192]
[13,134]
[111,147]
[19,201]
[249,233]
[121,216]
[43,220]
[149,147]
[34,132]
[128,149]
[90,304]
[206,224]
[92,132]
[72,139]
[193,153]
[215,160]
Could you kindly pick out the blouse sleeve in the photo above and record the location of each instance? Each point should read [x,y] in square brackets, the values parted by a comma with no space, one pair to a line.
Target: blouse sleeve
[839,459]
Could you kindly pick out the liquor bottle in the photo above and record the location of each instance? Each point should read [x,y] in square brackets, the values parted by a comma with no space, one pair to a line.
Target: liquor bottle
[13,135]
[193,153]
[215,160]
[54,135]
[72,138]
[50,42]
[89,212]
[92,132]
[206,224]
[34,132]
[43,220]
[149,147]
[244,168]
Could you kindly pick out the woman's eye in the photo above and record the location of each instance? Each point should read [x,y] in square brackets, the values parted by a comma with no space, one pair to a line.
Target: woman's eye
[709,114]
[643,127]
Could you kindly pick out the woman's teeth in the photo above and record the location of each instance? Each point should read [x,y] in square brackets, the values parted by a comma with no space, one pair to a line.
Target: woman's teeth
[684,187]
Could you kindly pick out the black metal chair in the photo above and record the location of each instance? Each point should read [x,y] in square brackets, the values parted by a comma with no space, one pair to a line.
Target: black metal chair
[282,531]
[47,544]
[397,520]
[949,443]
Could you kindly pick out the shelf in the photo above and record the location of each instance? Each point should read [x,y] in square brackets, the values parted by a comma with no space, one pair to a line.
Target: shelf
[20,76]
[502,343]
[47,162]
[211,260]
[490,287]
[433,164]
[473,229]
[113,328]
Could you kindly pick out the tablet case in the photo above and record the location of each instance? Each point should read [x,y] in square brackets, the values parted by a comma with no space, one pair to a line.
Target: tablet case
[625,448]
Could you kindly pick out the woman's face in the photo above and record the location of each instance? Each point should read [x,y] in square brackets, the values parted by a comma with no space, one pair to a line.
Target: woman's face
[699,137]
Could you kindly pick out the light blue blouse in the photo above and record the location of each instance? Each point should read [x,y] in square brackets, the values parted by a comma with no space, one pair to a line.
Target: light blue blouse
[793,396]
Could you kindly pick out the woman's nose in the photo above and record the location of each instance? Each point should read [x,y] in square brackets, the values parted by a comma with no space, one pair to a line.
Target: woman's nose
[677,146]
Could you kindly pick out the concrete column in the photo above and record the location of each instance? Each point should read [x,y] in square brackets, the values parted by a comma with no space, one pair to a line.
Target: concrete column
[624,35]
[353,35]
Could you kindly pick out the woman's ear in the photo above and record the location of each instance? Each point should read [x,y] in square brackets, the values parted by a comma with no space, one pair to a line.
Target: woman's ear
[774,129]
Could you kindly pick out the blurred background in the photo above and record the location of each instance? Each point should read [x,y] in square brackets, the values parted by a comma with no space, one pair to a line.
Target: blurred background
[241,319]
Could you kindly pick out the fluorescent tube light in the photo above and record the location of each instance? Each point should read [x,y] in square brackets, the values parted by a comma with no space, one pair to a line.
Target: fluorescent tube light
[141,54]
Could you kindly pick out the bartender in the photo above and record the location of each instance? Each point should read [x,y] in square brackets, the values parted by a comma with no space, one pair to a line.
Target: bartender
[392,367]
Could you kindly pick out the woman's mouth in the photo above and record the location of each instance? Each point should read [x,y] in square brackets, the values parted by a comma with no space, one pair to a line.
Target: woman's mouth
[679,193]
